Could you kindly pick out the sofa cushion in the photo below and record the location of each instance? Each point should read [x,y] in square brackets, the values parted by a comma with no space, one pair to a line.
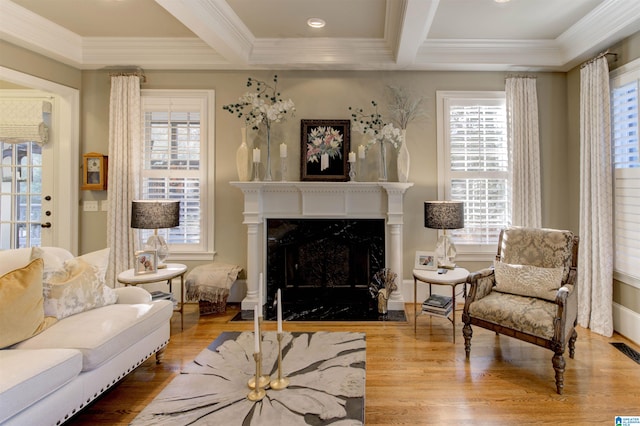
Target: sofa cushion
[21,304]
[77,287]
[102,333]
[526,314]
[527,280]
[11,260]
[28,376]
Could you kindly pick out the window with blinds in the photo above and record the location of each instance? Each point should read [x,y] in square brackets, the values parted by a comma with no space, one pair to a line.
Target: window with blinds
[626,168]
[473,161]
[174,164]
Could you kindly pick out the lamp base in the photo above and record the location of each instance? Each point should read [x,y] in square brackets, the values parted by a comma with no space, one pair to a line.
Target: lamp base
[162,266]
[445,252]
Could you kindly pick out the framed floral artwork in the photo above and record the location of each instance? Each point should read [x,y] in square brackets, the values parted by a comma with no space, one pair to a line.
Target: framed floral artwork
[324,150]
[146,262]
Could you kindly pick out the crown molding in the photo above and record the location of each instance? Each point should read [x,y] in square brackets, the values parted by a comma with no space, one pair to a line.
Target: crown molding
[489,54]
[605,25]
[150,53]
[24,28]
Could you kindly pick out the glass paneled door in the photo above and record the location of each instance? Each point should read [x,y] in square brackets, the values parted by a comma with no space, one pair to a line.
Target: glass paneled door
[23,222]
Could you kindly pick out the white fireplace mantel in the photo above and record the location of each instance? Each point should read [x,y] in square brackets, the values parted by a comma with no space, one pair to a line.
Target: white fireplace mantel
[320,200]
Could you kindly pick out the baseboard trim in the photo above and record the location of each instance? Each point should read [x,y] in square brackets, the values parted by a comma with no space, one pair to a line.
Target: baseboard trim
[626,322]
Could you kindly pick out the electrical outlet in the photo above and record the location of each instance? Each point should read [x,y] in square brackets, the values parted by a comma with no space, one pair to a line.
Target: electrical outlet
[90,206]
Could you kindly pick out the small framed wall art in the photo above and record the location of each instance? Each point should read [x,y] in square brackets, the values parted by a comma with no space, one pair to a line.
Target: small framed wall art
[146,262]
[324,150]
[426,260]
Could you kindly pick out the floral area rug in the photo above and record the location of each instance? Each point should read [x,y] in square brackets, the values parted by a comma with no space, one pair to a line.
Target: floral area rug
[326,371]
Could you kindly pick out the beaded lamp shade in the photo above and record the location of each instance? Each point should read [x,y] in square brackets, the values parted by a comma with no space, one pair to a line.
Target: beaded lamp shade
[444,214]
[155,214]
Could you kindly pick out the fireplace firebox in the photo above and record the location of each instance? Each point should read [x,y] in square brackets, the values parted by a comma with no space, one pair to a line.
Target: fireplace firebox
[324,265]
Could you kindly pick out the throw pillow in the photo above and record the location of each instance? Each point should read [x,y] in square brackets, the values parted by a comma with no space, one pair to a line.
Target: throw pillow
[527,280]
[75,288]
[21,312]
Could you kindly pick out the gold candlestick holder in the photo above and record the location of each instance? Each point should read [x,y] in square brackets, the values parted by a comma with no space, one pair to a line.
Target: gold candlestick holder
[257,393]
[280,382]
[263,379]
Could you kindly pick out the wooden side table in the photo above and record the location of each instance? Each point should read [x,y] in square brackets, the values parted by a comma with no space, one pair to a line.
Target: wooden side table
[453,278]
[173,270]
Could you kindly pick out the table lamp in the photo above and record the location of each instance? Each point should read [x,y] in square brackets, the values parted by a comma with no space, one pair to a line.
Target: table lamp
[444,215]
[155,214]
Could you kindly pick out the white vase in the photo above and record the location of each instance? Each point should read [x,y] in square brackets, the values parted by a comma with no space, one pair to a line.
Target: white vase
[404,159]
[242,157]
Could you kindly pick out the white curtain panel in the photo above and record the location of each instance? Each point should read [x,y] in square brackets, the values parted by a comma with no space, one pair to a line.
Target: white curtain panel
[523,133]
[595,258]
[124,142]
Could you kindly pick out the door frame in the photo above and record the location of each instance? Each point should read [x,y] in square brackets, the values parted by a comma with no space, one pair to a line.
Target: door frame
[66,148]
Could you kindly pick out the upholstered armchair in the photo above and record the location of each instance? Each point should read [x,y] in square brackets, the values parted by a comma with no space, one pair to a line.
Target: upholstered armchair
[529,294]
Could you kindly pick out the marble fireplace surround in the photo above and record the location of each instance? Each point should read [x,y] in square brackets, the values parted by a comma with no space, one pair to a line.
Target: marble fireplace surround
[321,200]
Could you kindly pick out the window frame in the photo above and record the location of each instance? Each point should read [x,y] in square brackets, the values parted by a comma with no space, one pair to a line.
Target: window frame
[620,77]
[466,252]
[204,251]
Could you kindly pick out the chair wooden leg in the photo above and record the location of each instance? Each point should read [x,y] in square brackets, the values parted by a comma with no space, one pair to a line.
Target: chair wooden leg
[572,344]
[558,366]
[467,333]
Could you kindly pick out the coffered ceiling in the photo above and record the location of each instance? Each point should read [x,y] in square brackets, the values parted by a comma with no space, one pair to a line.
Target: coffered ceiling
[517,35]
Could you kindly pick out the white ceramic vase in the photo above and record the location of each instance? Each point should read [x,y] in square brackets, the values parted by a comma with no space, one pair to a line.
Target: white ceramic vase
[404,159]
[242,157]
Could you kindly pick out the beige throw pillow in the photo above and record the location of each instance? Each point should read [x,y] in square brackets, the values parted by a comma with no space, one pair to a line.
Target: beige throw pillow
[75,288]
[21,312]
[527,280]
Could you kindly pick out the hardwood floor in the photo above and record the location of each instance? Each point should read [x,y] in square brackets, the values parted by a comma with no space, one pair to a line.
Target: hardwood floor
[423,379]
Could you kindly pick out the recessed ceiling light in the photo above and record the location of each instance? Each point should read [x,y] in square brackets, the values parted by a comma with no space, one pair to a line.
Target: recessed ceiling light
[316,22]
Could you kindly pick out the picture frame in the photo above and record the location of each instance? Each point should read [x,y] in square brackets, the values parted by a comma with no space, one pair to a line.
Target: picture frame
[146,262]
[328,138]
[426,260]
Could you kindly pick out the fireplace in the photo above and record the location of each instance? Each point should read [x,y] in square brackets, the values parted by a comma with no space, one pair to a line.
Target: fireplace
[323,266]
[295,207]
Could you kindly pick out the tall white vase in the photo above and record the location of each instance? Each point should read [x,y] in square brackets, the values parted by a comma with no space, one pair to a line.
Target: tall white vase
[242,157]
[404,159]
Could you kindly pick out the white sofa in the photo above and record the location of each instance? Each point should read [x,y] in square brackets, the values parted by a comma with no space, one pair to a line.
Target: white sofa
[47,378]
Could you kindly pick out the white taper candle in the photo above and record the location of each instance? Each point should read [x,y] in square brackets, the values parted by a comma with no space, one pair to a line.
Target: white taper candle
[279,312]
[260,296]
[256,330]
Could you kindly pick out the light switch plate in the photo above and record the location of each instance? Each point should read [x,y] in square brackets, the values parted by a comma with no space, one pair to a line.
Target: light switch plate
[90,206]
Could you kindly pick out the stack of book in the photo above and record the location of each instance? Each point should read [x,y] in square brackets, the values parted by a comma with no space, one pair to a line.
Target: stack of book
[438,304]
[160,295]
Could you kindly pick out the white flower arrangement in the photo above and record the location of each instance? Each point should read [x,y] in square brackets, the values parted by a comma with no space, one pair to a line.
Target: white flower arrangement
[403,107]
[265,105]
[373,125]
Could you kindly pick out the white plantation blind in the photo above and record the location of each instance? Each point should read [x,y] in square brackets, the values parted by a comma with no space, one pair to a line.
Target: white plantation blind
[174,163]
[626,168]
[475,162]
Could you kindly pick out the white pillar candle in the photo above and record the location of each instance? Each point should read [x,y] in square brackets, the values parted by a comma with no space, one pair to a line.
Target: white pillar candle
[361,152]
[260,296]
[324,161]
[256,155]
[352,157]
[256,330]
[279,312]
[283,150]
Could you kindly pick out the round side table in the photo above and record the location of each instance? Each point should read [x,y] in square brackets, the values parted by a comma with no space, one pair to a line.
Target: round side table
[453,278]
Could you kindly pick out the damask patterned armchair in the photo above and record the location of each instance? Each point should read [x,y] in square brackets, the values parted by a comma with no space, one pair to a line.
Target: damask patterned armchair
[529,294]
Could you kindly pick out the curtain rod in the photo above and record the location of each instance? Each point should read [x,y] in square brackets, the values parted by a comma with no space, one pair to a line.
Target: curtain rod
[520,76]
[598,56]
[116,72]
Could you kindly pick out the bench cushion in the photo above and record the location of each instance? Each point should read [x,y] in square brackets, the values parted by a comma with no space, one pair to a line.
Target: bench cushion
[102,333]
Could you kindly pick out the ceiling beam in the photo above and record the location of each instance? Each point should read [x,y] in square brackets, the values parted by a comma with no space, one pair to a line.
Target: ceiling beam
[416,20]
[215,23]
